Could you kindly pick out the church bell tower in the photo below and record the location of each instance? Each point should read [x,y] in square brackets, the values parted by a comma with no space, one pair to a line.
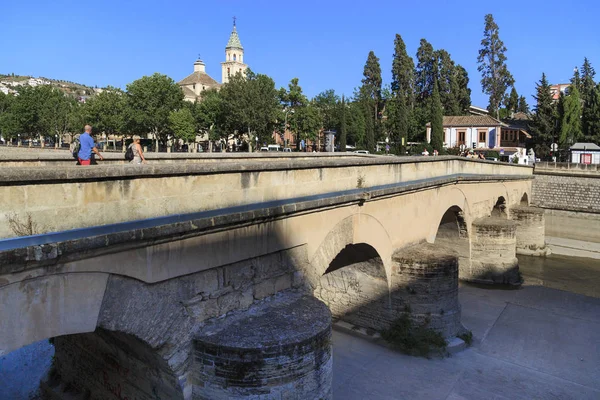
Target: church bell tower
[234,56]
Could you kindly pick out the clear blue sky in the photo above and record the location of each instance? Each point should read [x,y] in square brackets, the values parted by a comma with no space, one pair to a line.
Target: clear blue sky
[323,43]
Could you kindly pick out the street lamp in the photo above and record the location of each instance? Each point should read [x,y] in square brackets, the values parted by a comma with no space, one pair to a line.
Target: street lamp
[387,145]
[56,141]
[18,139]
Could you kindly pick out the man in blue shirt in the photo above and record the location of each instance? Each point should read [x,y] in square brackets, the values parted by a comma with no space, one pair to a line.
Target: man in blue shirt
[87,146]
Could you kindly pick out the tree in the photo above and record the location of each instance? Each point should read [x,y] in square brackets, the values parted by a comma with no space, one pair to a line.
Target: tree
[308,122]
[183,124]
[356,124]
[512,102]
[107,111]
[402,93]
[523,106]
[447,82]
[150,101]
[587,79]
[464,93]
[437,120]
[343,129]
[543,124]
[495,77]
[591,117]
[569,114]
[370,95]
[327,104]
[8,126]
[249,106]
[208,114]
[425,72]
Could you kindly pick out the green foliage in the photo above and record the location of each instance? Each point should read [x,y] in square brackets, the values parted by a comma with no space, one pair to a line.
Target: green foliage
[249,105]
[512,102]
[523,106]
[591,116]
[467,337]
[106,111]
[370,97]
[495,77]
[402,95]
[464,93]
[183,124]
[447,83]
[356,125]
[208,114]
[419,340]
[150,101]
[569,118]
[543,124]
[437,128]
[327,103]
[587,79]
[425,72]
[343,128]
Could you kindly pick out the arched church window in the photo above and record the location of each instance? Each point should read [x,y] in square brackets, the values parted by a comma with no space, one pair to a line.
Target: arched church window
[234,57]
[194,86]
[228,72]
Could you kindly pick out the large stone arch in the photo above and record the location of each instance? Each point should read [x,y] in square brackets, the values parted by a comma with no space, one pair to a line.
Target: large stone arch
[357,228]
[49,306]
[455,198]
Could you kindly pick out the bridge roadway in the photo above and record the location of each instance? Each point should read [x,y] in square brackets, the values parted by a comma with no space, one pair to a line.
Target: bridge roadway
[142,263]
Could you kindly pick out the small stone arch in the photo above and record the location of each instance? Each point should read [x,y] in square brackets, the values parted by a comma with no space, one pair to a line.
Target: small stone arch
[499,209]
[235,57]
[524,200]
[453,233]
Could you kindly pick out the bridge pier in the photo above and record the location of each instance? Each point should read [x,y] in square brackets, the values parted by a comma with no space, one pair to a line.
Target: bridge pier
[493,252]
[530,236]
[424,280]
[280,349]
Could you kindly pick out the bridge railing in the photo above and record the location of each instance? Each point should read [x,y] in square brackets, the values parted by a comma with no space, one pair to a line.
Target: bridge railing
[36,200]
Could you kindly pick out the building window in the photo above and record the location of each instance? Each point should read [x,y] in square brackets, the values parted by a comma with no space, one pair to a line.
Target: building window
[461,137]
[228,73]
[194,86]
[234,57]
[482,136]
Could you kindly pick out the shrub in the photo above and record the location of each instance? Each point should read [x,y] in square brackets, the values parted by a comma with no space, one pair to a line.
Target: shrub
[414,340]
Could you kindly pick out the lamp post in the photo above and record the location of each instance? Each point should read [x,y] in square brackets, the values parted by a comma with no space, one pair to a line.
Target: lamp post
[18,140]
[56,141]
[387,145]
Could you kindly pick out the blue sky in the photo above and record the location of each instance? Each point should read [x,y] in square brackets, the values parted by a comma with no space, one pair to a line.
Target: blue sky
[323,43]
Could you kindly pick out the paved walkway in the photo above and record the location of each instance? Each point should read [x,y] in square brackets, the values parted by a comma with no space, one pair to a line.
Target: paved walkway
[532,343]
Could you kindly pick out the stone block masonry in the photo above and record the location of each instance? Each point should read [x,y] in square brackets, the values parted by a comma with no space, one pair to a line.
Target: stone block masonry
[530,236]
[279,349]
[493,252]
[567,191]
[424,282]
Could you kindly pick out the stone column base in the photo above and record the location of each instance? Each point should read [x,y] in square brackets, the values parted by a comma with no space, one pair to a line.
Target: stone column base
[278,349]
[493,253]
[531,224]
[424,282]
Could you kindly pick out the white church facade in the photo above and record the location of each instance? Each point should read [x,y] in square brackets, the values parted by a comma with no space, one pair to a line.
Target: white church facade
[198,81]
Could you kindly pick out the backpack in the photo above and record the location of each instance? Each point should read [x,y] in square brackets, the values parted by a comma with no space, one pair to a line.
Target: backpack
[75,148]
[129,153]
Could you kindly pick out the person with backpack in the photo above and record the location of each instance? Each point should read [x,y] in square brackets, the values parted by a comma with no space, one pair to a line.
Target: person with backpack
[86,147]
[134,153]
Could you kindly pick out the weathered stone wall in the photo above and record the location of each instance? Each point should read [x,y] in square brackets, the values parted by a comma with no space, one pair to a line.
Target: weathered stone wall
[105,365]
[279,349]
[493,252]
[76,197]
[530,235]
[566,190]
[424,283]
[357,293]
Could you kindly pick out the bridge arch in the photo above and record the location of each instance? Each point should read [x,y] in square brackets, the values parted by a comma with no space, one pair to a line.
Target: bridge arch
[524,199]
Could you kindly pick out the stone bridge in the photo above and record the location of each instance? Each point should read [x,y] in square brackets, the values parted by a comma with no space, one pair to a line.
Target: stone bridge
[209,280]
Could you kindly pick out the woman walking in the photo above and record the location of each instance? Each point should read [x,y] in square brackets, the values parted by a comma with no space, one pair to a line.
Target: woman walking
[138,154]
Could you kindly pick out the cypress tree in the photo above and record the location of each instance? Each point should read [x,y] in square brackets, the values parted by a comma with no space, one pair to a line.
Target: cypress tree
[464,93]
[447,83]
[343,125]
[543,124]
[437,120]
[370,93]
[512,103]
[425,72]
[569,114]
[587,79]
[523,106]
[591,116]
[402,93]
[495,78]
[369,128]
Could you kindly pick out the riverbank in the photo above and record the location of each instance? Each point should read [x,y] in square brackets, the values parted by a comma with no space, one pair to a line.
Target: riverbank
[574,234]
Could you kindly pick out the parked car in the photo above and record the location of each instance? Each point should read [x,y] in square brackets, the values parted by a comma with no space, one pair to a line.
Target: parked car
[274,147]
[287,150]
[361,151]
[264,148]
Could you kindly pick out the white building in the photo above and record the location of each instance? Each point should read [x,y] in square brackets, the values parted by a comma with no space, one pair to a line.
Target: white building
[585,153]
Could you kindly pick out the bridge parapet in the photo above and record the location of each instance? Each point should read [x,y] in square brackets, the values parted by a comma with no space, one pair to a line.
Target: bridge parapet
[36,200]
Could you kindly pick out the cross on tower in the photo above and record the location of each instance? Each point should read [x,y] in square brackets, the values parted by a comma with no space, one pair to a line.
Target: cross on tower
[234,18]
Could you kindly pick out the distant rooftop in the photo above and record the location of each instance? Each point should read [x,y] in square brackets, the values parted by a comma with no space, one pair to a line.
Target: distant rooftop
[585,146]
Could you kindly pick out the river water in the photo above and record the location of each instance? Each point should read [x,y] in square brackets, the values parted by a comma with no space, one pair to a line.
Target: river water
[21,370]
